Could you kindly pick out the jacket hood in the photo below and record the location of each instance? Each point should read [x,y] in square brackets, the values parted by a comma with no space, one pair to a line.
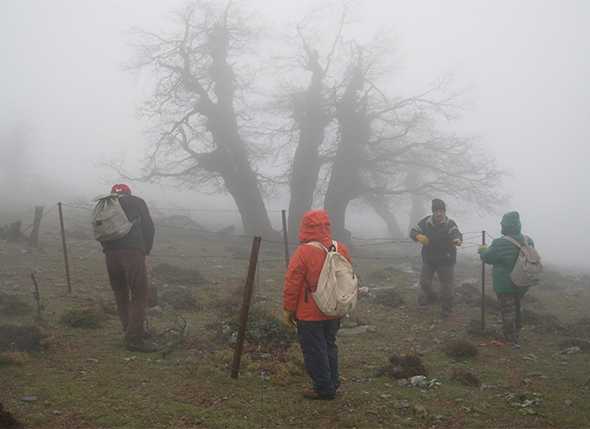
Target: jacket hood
[315,226]
[511,224]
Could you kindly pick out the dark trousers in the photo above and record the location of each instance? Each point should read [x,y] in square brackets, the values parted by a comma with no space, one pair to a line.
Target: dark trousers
[320,353]
[446,277]
[128,277]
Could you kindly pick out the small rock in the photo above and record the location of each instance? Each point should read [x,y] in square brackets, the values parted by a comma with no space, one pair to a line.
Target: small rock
[568,402]
[417,380]
[28,398]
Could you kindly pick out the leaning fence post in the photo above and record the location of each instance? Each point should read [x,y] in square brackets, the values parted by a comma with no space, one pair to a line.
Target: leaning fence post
[36,295]
[65,247]
[34,237]
[235,368]
[483,285]
[285,237]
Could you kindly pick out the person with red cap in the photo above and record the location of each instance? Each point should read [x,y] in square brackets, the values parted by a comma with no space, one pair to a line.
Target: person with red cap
[126,265]
[316,331]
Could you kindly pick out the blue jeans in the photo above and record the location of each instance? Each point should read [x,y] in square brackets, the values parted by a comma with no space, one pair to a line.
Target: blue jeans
[320,353]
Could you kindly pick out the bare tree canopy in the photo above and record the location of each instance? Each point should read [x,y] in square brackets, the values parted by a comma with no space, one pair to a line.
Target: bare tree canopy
[197,127]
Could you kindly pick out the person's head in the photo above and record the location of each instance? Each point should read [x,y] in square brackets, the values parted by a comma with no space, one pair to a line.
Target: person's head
[511,223]
[439,210]
[121,188]
[315,226]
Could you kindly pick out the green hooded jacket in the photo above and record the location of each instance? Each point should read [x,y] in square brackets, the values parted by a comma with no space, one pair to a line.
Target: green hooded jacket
[502,254]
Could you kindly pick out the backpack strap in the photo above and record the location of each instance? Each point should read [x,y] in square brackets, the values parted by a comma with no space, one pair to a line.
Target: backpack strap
[516,243]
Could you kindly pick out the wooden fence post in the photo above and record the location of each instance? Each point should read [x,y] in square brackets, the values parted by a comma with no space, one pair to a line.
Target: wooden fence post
[34,237]
[285,237]
[235,368]
[65,247]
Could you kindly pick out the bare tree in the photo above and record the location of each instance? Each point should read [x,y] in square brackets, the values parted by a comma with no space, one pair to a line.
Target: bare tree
[198,137]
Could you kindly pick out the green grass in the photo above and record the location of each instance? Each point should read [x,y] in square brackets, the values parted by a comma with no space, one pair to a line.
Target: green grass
[85,379]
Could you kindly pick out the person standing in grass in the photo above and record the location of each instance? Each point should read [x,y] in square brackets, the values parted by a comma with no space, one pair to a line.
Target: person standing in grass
[439,237]
[316,331]
[127,268]
[502,255]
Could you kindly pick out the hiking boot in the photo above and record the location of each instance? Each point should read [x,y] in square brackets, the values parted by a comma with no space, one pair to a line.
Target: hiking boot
[141,346]
[425,300]
[314,395]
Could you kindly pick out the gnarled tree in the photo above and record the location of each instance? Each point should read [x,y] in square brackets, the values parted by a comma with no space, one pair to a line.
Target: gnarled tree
[195,105]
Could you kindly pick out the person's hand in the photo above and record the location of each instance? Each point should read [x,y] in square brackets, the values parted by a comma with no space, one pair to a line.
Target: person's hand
[483,248]
[289,318]
[457,242]
[422,239]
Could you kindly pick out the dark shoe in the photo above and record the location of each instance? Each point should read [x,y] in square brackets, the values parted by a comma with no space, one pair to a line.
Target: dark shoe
[142,346]
[314,395]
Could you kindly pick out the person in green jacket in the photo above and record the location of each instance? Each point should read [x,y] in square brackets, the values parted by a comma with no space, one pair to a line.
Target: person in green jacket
[502,255]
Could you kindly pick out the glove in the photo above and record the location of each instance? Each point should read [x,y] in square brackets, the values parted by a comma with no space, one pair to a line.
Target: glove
[422,239]
[457,242]
[289,318]
[483,248]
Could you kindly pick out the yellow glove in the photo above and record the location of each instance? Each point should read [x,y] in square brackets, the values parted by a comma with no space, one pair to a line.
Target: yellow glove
[289,318]
[457,242]
[422,239]
[483,248]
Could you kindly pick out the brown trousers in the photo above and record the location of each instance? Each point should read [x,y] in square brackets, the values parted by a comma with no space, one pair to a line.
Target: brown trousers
[128,277]
[446,277]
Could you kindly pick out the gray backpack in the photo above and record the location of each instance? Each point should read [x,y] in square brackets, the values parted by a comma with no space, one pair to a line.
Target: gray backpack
[528,266]
[109,220]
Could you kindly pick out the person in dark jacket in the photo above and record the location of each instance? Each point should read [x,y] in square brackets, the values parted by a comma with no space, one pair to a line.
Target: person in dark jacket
[439,237]
[502,254]
[316,331]
[126,265]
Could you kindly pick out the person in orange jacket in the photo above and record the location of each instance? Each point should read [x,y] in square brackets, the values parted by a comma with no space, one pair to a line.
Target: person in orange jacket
[316,331]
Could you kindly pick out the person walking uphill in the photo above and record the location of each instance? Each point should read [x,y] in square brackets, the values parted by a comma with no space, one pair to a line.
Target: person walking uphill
[316,331]
[439,237]
[127,237]
[502,254]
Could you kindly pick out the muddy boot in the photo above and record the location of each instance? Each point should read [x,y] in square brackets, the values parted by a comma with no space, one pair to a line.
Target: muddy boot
[312,394]
[142,346]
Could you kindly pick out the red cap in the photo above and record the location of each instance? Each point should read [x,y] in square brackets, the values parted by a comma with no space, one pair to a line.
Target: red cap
[121,188]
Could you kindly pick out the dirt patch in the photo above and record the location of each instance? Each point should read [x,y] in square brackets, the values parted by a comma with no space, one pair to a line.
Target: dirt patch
[13,359]
[15,338]
[171,274]
[460,349]
[404,366]
[7,421]
[465,377]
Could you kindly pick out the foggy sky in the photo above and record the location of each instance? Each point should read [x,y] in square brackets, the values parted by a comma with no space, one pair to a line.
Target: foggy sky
[524,65]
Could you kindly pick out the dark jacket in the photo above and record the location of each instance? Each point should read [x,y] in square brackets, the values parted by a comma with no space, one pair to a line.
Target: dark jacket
[502,254]
[440,250]
[141,236]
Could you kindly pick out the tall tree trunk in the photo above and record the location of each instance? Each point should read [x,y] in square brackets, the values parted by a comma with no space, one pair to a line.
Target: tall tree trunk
[384,212]
[418,202]
[231,158]
[345,181]
[312,121]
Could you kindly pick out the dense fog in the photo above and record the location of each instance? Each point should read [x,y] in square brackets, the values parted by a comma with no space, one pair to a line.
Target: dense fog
[71,99]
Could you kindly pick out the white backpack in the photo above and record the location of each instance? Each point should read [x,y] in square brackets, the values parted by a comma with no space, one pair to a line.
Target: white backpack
[109,220]
[337,290]
[528,265]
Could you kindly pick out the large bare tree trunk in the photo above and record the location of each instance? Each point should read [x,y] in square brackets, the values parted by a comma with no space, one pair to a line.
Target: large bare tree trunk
[345,182]
[312,121]
[418,202]
[384,212]
[230,159]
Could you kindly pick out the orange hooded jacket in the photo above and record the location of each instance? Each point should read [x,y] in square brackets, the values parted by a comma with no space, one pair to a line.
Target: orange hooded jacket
[306,264]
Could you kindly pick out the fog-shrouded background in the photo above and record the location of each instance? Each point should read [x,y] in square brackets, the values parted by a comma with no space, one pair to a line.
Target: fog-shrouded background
[523,66]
